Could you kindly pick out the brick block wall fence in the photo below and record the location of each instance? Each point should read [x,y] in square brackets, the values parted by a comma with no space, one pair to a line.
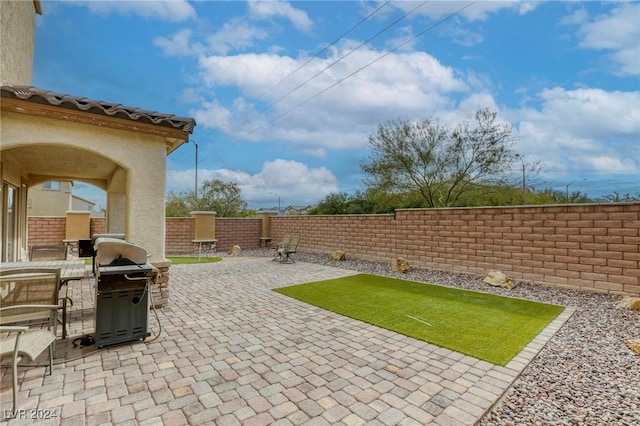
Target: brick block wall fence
[46,230]
[179,235]
[593,247]
[244,232]
[98,225]
[590,247]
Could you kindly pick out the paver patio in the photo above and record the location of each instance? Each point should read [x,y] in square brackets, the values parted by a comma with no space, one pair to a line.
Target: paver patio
[233,352]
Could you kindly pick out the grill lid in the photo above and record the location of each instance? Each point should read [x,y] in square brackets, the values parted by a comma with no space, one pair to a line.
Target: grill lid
[109,250]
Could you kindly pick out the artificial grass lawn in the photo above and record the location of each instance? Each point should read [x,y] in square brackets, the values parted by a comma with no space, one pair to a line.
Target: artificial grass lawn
[180,260]
[485,326]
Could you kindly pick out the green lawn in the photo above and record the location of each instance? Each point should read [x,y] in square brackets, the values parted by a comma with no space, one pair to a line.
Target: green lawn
[181,260]
[489,327]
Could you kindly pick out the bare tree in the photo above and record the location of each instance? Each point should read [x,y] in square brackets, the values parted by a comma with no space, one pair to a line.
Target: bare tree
[441,164]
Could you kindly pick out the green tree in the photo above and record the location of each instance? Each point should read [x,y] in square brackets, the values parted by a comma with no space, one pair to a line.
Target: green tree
[225,198]
[334,203]
[616,197]
[179,204]
[445,166]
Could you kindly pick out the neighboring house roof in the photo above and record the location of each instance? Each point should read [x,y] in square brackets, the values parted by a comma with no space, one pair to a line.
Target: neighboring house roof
[298,207]
[95,108]
[84,200]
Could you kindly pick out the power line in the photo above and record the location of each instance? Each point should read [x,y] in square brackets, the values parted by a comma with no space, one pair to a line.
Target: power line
[325,49]
[334,62]
[366,18]
[363,67]
[337,60]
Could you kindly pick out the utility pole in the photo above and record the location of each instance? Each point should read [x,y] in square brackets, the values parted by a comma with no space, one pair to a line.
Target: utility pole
[273,193]
[567,188]
[524,182]
[196,188]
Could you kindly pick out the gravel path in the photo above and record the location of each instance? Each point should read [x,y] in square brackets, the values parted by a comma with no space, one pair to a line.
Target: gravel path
[585,375]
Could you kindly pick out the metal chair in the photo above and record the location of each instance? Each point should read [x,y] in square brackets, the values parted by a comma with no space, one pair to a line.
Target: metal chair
[289,250]
[20,343]
[279,247]
[29,296]
[54,252]
[48,252]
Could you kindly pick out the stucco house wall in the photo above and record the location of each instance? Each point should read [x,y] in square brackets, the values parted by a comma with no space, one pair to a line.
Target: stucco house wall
[51,136]
[49,202]
[140,160]
[17,34]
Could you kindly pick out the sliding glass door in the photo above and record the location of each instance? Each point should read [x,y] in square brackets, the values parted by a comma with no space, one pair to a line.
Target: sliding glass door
[9,222]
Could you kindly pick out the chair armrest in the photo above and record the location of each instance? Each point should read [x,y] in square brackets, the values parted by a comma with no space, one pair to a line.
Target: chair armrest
[10,328]
[56,307]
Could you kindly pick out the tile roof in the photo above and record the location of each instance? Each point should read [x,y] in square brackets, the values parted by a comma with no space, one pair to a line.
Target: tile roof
[39,96]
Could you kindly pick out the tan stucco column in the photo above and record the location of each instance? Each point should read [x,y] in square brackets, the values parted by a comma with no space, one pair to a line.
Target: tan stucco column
[205,225]
[117,203]
[265,233]
[145,218]
[77,225]
[204,235]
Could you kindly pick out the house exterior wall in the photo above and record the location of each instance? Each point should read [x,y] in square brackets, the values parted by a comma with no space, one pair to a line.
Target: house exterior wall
[138,160]
[17,35]
[80,204]
[49,202]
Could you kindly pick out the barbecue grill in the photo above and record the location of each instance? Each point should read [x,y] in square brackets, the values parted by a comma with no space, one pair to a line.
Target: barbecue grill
[123,276]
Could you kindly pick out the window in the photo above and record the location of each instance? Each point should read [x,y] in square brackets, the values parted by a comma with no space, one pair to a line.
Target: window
[9,222]
[53,185]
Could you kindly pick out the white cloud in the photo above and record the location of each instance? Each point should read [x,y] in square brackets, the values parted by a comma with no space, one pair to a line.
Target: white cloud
[406,40]
[214,112]
[268,9]
[179,44]
[462,36]
[401,84]
[593,112]
[476,11]
[295,182]
[608,164]
[165,10]
[617,32]
[235,34]
[586,130]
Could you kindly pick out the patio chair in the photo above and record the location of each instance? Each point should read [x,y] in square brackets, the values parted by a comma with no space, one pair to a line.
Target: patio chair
[289,250]
[279,247]
[48,252]
[19,343]
[29,296]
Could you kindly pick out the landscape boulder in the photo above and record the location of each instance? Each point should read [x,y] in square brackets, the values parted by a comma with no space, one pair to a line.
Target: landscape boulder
[338,255]
[401,265]
[634,345]
[628,302]
[499,279]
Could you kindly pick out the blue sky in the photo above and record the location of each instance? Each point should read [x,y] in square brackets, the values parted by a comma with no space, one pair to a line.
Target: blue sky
[285,94]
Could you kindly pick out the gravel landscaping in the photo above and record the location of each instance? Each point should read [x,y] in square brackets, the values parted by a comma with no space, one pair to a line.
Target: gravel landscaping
[585,375]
